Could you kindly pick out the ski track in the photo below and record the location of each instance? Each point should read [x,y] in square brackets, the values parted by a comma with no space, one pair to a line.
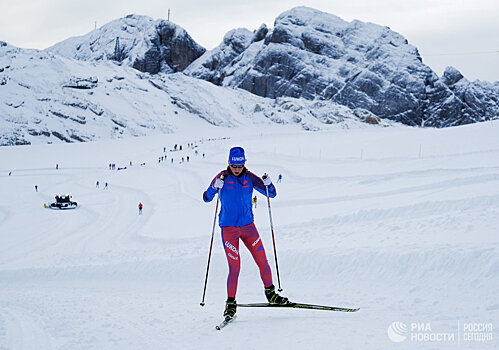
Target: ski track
[415,244]
[23,332]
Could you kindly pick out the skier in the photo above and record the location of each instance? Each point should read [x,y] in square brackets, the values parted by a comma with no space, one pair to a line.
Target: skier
[105,186]
[254,201]
[36,188]
[279,178]
[97,184]
[236,220]
[140,208]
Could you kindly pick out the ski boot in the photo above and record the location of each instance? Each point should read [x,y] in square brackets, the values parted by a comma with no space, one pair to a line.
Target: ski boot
[230,308]
[273,297]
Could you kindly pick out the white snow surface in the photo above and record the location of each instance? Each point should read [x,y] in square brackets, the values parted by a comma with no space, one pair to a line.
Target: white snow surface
[401,222]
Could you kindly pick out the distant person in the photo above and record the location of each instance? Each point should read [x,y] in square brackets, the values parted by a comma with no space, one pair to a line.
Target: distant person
[203,155]
[172,160]
[187,159]
[279,178]
[56,166]
[10,173]
[105,186]
[130,163]
[97,184]
[36,188]
[140,208]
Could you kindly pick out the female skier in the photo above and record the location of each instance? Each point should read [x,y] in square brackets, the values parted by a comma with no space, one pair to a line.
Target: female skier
[236,184]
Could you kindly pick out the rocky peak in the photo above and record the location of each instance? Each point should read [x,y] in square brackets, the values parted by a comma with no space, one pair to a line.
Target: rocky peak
[451,76]
[139,41]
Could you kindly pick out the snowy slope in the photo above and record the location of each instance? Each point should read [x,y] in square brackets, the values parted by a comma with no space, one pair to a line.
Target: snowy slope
[47,98]
[401,222]
[134,33]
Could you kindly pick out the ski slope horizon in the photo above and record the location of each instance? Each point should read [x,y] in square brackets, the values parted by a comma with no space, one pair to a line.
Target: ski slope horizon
[399,221]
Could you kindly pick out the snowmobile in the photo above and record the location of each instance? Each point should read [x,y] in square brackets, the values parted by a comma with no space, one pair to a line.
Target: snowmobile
[63,201]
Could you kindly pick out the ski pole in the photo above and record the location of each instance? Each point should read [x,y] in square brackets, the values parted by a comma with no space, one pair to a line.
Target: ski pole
[273,240]
[211,246]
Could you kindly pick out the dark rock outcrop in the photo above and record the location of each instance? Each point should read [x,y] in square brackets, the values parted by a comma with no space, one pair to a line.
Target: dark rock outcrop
[211,67]
[171,50]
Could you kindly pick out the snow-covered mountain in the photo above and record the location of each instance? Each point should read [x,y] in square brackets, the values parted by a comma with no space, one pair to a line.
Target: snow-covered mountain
[315,55]
[48,98]
[139,41]
[136,76]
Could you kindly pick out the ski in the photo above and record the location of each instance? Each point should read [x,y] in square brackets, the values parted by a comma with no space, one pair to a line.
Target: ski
[225,322]
[292,305]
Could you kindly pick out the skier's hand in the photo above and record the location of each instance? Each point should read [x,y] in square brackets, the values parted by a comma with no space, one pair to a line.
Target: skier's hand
[266,179]
[219,183]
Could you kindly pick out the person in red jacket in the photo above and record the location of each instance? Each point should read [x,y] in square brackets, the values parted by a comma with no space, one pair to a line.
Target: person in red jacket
[140,208]
[235,185]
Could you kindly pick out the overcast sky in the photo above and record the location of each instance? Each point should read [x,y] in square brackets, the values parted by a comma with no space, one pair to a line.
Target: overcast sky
[459,33]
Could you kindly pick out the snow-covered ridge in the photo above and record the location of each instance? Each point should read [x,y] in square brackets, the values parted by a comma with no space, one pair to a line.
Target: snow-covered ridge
[46,98]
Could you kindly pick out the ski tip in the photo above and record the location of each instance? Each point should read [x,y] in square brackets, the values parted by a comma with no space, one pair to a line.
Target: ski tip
[225,322]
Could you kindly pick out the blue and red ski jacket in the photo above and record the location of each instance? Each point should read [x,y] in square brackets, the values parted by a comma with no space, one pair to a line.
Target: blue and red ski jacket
[236,195]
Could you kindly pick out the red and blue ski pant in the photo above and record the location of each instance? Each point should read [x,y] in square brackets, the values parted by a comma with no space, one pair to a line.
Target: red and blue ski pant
[251,239]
